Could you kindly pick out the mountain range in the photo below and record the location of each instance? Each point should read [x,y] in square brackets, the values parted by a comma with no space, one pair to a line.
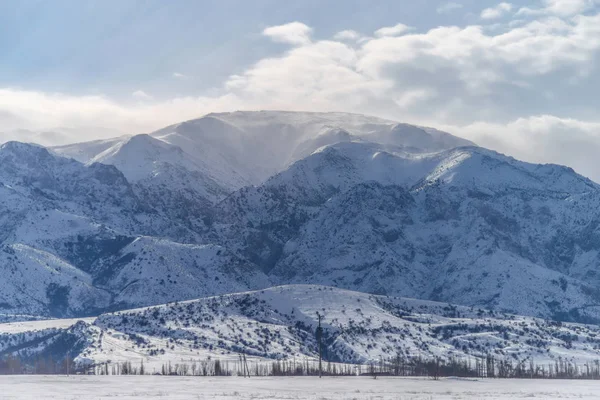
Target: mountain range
[243,201]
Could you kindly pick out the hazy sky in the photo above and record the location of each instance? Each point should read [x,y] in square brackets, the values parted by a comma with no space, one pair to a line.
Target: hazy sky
[520,77]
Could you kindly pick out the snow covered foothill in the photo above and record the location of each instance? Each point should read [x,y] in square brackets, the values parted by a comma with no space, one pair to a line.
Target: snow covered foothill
[279,323]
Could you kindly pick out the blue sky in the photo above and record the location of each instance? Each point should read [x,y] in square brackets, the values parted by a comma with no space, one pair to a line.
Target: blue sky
[114,47]
[521,77]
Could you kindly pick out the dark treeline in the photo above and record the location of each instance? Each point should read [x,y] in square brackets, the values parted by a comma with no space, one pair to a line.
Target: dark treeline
[486,367]
[400,365]
[11,365]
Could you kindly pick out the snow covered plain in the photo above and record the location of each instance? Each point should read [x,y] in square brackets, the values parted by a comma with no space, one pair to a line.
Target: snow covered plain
[149,387]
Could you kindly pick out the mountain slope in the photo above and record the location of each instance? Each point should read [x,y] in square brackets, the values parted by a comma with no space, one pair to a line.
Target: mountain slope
[152,271]
[468,226]
[179,187]
[143,159]
[38,283]
[69,236]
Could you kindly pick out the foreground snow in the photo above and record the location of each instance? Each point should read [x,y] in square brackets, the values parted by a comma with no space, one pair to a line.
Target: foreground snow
[149,387]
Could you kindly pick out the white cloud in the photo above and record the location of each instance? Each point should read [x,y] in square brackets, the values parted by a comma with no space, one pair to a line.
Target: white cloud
[320,75]
[465,68]
[178,75]
[294,33]
[448,7]
[542,139]
[413,97]
[38,111]
[395,30]
[568,7]
[347,35]
[560,8]
[141,95]
[496,12]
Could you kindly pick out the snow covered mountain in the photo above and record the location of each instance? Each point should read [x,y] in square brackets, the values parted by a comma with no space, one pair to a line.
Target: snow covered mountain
[467,225]
[72,234]
[244,148]
[279,323]
[244,200]
[166,177]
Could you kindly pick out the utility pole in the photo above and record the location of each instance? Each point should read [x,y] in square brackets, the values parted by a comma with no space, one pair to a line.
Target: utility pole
[247,369]
[319,335]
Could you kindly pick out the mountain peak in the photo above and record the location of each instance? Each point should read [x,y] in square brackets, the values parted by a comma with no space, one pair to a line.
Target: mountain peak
[26,159]
[16,147]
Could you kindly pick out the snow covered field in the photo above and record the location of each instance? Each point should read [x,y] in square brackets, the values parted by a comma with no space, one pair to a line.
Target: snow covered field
[150,387]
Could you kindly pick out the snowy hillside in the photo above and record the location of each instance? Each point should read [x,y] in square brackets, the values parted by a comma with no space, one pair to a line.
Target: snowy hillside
[151,271]
[468,226]
[279,323]
[71,234]
[166,177]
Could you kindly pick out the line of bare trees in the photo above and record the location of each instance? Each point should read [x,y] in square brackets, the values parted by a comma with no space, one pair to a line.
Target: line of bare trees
[486,367]
[12,365]
[399,365]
